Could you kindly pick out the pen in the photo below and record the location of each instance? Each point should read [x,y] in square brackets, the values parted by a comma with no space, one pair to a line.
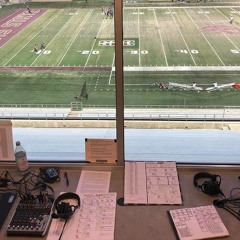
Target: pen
[66,179]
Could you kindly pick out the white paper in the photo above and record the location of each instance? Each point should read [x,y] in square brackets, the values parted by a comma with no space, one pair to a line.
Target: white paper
[162,183]
[198,223]
[93,182]
[151,183]
[56,226]
[135,190]
[94,220]
[96,217]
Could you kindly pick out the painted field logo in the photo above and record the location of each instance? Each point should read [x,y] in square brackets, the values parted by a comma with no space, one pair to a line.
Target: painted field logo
[129,43]
[126,43]
[222,28]
[16,21]
[106,43]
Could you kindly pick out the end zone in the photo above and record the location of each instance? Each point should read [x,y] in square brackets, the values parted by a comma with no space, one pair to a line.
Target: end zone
[15,22]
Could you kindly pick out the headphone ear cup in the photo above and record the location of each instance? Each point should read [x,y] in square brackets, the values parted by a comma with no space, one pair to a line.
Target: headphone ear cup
[211,187]
[206,188]
[64,210]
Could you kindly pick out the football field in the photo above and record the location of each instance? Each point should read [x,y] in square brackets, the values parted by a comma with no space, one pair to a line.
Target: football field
[47,55]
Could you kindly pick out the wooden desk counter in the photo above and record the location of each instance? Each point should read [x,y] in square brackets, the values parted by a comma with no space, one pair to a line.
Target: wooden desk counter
[149,222]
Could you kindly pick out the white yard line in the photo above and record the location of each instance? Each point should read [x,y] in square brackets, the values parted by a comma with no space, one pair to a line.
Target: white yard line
[139,41]
[225,33]
[30,39]
[205,38]
[89,55]
[231,42]
[110,77]
[184,6]
[160,35]
[235,11]
[183,68]
[79,29]
[182,37]
[53,38]
[3,19]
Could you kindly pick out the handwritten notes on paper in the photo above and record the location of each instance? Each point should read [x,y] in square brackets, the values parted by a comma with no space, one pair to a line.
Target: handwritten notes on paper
[198,223]
[151,183]
[96,217]
[6,141]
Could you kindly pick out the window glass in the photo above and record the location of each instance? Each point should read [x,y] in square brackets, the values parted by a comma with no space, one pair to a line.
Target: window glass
[57,64]
[181,64]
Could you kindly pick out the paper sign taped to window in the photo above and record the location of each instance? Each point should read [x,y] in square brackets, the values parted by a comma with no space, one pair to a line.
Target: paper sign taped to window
[6,141]
[101,150]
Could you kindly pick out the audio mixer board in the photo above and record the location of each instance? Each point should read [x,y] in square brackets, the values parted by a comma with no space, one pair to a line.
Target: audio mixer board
[31,218]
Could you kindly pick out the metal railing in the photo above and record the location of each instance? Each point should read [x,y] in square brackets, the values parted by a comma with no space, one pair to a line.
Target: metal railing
[80,106]
[37,105]
[108,112]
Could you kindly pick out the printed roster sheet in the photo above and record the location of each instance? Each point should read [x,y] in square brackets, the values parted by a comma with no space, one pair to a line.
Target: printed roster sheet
[151,183]
[198,223]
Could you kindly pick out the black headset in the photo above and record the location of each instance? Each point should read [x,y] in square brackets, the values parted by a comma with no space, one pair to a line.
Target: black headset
[211,186]
[63,209]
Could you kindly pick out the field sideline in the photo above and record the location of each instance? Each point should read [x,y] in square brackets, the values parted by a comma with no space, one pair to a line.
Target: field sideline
[194,43]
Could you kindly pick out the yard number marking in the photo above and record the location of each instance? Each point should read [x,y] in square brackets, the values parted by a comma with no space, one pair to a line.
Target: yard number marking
[234,51]
[193,51]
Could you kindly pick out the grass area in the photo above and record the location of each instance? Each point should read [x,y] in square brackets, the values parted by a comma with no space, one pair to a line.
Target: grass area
[57,87]
[51,87]
[137,91]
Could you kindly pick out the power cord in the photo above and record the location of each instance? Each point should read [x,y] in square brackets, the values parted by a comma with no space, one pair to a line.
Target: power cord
[230,204]
[65,222]
[29,187]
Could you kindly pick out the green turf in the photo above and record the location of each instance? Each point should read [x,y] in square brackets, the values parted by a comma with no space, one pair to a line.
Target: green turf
[53,87]
[163,37]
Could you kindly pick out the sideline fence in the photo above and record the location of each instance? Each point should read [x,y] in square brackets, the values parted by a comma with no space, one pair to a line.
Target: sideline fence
[108,112]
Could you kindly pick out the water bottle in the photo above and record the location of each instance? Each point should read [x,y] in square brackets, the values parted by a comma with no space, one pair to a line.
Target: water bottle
[21,158]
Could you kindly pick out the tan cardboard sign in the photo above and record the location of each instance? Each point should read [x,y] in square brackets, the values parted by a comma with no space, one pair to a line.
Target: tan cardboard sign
[6,141]
[101,150]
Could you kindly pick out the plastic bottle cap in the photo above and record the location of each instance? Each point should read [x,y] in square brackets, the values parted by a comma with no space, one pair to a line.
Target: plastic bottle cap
[18,143]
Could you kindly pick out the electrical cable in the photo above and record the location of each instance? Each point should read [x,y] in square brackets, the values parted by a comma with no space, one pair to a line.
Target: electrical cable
[230,204]
[26,186]
[62,229]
